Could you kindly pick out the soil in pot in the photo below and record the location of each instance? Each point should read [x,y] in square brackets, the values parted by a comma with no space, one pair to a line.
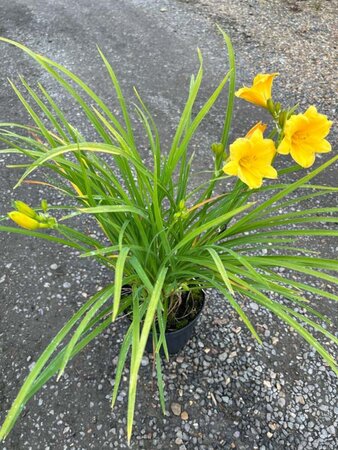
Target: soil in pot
[183,313]
[184,309]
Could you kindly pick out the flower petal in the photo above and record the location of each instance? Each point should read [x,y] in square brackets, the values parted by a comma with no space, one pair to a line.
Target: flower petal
[251,95]
[259,126]
[303,158]
[284,147]
[270,172]
[231,168]
[249,179]
[323,146]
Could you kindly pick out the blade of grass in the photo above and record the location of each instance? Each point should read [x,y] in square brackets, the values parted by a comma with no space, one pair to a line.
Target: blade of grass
[221,269]
[80,329]
[268,203]
[120,99]
[119,274]
[149,317]
[208,225]
[47,237]
[50,349]
[232,85]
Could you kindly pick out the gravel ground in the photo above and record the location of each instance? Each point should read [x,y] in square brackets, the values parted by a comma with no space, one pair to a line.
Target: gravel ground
[223,390]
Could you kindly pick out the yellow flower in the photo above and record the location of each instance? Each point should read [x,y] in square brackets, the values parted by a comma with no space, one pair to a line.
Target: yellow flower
[304,136]
[260,91]
[25,221]
[250,159]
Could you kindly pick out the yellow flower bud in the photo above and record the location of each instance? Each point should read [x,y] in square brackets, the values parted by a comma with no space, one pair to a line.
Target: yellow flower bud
[259,126]
[25,209]
[25,221]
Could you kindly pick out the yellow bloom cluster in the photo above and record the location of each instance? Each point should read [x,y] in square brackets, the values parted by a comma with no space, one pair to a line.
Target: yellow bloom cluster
[301,136]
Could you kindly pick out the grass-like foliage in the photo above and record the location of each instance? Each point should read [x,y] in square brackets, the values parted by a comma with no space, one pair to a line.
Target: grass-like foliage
[167,237]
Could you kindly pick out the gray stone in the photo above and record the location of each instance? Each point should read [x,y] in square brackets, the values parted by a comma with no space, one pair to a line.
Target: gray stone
[176,408]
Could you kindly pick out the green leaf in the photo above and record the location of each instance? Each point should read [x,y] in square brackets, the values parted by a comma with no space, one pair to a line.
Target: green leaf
[121,363]
[232,85]
[228,296]
[47,237]
[63,137]
[160,383]
[18,403]
[238,309]
[141,273]
[288,263]
[313,324]
[243,260]
[186,114]
[34,116]
[113,209]
[279,312]
[149,317]
[55,364]
[80,329]
[212,224]
[119,271]
[123,356]
[92,147]
[279,195]
[60,115]
[161,342]
[221,269]
[120,99]
[175,156]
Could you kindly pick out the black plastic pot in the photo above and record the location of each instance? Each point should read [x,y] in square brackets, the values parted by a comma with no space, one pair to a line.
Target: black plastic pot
[177,339]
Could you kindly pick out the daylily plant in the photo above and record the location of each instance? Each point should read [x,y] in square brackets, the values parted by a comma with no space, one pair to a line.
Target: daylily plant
[164,237]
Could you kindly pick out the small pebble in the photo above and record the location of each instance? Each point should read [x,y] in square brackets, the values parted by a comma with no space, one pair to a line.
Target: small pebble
[176,408]
[223,356]
[184,415]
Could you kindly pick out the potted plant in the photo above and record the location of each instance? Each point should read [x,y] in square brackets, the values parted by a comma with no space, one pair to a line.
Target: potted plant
[167,239]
